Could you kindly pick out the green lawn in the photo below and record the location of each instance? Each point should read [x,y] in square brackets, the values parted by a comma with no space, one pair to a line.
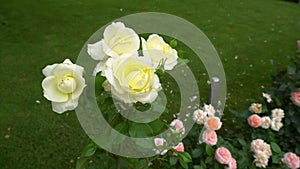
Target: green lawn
[246,34]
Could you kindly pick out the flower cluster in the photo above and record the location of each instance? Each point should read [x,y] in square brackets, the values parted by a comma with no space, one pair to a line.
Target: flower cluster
[162,146]
[207,117]
[131,78]
[274,121]
[291,160]
[262,152]
[223,156]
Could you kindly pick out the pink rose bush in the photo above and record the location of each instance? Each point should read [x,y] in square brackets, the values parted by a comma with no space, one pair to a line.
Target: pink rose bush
[291,160]
[177,128]
[211,123]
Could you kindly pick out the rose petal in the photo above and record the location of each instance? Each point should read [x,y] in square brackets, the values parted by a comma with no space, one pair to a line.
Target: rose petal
[80,84]
[64,106]
[51,92]
[47,71]
[96,50]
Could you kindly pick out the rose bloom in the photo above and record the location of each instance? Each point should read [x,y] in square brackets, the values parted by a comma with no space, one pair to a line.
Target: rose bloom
[266,122]
[209,109]
[178,148]
[254,121]
[295,97]
[160,142]
[258,146]
[223,155]
[256,108]
[261,160]
[277,113]
[159,52]
[178,124]
[199,116]
[63,85]
[291,160]
[213,123]
[232,164]
[210,137]
[276,124]
[118,40]
[132,79]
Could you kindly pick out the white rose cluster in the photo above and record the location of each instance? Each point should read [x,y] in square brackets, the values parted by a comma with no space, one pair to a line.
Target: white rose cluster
[262,152]
[274,121]
[131,78]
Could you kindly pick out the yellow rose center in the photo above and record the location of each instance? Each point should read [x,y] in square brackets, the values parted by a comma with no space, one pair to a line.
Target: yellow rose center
[140,80]
[67,84]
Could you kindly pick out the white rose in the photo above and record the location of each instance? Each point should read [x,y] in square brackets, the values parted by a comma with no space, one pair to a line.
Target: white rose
[209,109]
[276,124]
[199,116]
[117,40]
[277,113]
[256,108]
[266,122]
[63,85]
[159,52]
[261,160]
[132,79]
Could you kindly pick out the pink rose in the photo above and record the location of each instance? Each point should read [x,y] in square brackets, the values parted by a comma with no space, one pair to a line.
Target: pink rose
[298,43]
[178,124]
[291,160]
[213,123]
[178,148]
[232,164]
[223,155]
[159,141]
[254,121]
[295,97]
[210,137]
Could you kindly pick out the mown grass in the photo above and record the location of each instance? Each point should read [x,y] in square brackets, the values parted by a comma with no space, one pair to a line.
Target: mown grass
[246,34]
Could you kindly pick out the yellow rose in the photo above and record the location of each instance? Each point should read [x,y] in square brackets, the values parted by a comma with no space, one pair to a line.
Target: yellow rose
[132,79]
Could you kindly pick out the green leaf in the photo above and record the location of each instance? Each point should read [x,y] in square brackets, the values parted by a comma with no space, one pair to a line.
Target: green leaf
[89,150]
[275,147]
[142,164]
[185,156]
[183,164]
[173,160]
[197,167]
[196,153]
[156,126]
[140,130]
[208,160]
[276,159]
[242,142]
[173,43]
[209,150]
[82,162]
